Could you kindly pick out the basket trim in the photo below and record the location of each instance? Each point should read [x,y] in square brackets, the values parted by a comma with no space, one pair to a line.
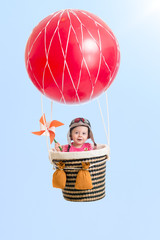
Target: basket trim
[101,150]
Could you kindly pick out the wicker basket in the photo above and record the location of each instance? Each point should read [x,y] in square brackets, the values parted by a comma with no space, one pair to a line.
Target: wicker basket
[97,159]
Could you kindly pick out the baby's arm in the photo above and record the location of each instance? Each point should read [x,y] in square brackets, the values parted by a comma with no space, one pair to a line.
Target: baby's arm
[57,145]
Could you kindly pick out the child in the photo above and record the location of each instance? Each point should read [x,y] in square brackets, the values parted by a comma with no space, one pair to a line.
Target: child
[79,132]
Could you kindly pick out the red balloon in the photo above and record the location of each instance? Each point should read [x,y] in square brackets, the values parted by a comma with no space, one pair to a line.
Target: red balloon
[72,56]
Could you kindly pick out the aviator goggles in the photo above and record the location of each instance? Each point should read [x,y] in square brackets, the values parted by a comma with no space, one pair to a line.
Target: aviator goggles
[77,120]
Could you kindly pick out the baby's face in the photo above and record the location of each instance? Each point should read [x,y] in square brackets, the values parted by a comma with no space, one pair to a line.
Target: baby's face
[79,135]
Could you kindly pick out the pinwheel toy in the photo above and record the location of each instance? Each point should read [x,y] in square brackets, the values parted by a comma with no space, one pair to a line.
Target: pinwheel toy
[48,128]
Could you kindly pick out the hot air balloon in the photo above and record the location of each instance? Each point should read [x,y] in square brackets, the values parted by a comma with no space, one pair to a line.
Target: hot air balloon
[72,57]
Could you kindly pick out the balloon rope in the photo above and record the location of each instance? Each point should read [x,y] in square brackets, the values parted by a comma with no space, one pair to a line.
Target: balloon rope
[51,109]
[107,135]
[108,119]
[44,121]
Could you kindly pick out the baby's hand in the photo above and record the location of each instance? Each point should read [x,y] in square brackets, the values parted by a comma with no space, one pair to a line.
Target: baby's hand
[57,145]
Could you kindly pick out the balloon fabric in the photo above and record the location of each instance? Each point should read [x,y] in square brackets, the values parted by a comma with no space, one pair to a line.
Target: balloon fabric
[72,56]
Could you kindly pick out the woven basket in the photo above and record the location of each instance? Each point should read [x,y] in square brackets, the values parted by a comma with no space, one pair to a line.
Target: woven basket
[73,163]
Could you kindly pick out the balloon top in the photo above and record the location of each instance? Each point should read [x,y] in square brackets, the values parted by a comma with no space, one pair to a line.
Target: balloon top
[72,56]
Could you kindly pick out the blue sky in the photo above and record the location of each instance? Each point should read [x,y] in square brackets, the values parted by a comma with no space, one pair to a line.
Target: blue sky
[30,207]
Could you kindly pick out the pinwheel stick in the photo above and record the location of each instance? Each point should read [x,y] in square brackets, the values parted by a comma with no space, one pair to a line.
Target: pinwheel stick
[59,146]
